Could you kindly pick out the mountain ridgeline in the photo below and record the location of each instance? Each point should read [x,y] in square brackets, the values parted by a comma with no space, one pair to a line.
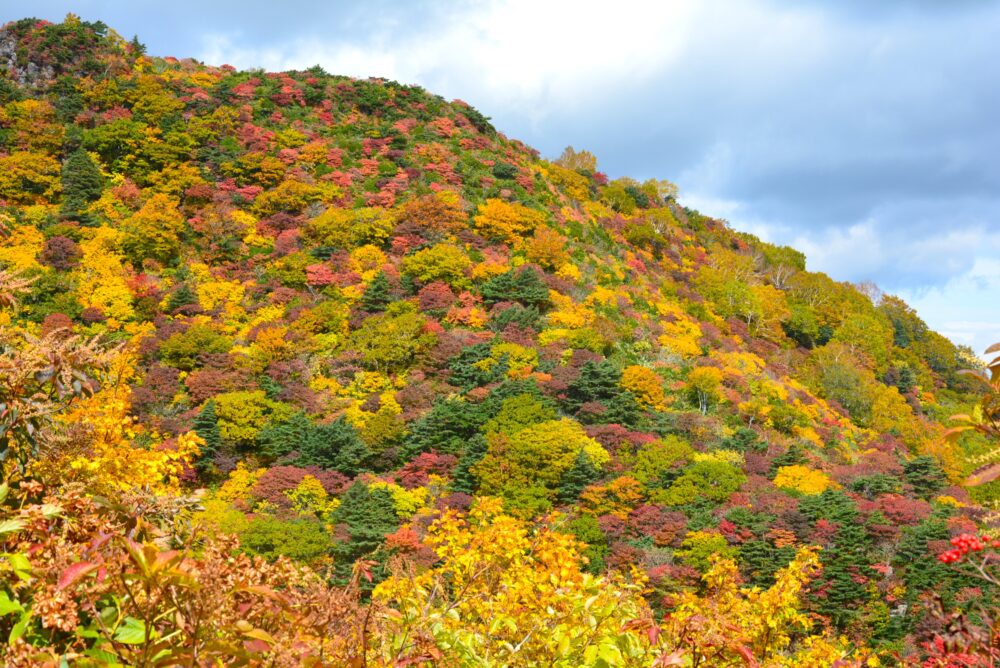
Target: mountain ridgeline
[338,372]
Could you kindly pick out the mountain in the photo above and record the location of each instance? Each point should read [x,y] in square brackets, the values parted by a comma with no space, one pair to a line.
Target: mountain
[305,368]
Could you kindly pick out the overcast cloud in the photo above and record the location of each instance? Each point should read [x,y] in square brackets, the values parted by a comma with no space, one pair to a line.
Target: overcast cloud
[862,132]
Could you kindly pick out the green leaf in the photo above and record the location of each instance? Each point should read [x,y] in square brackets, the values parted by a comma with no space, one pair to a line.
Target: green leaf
[610,654]
[20,627]
[105,657]
[260,634]
[11,525]
[50,510]
[19,564]
[8,606]
[88,632]
[131,632]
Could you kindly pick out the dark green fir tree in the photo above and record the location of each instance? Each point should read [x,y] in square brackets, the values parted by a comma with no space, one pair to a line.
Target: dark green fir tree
[206,425]
[582,473]
[924,475]
[367,515]
[82,184]
[181,297]
[463,480]
[377,295]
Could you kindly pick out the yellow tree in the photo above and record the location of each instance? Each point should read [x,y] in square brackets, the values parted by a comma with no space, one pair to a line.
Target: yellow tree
[102,278]
[547,248]
[705,385]
[645,384]
[154,231]
[508,594]
[29,178]
[729,625]
[573,159]
[526,466]
[114,453]
[33,125]
[506,222]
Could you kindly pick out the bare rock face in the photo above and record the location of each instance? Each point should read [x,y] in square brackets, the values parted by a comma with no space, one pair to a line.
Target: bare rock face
[28,74]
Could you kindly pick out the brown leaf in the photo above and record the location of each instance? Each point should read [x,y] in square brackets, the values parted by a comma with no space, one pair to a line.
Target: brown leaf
[953,433]
[975,373]
[983,475]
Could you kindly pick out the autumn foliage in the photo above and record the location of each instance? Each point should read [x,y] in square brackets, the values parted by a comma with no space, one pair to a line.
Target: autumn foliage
[300,369]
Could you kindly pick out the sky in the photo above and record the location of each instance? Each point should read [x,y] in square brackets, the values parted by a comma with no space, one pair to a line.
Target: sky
[865,133]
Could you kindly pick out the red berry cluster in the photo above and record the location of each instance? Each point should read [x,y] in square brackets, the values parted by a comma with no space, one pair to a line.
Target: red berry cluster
[966,543]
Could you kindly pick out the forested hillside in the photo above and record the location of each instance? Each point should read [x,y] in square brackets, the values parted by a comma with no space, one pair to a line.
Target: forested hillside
[299,369]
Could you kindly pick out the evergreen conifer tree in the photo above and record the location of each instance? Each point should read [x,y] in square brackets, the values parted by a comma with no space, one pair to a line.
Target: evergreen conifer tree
[277,440]
[181,297]
[206,425]
[82,184]
[520,285]
[924,475]
[847,561]
[334,446]
[448,428]
[601,383]
[353,458]
[368,515]
[582,473]
[463,479]
[377,295]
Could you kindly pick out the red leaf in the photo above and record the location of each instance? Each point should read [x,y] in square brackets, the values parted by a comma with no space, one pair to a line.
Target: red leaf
[74,573]
[672,659]
[747,655]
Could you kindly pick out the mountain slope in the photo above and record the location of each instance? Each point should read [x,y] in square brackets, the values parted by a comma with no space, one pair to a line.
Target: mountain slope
[343,305]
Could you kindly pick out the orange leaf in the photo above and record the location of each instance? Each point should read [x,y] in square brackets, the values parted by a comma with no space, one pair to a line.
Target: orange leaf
[953,433]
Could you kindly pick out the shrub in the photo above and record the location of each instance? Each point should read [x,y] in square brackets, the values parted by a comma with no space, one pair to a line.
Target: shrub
[802,479]
[182,350]
[709,480]
[441,262]
[301,539]
[242,415]
[393,340]
[699,548]
[274,484]
[499,220]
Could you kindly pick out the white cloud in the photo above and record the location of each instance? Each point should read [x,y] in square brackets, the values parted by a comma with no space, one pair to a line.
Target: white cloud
[864,138]
[535,57]
[966,308]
